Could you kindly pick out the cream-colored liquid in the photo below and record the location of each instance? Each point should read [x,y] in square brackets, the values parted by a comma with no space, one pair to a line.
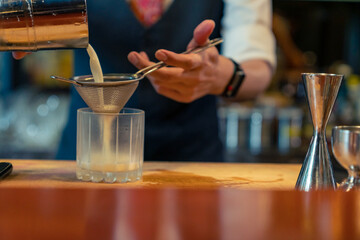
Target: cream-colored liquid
[96,71]
[95,65]
[106,120]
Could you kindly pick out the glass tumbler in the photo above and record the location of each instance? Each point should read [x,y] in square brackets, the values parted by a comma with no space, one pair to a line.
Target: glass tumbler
[345,142]
[110,146]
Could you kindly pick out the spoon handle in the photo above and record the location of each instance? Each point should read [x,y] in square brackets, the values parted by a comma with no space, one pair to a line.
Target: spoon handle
[143,72]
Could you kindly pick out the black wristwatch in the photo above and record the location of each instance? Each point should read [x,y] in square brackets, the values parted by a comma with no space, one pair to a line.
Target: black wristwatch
[235,82]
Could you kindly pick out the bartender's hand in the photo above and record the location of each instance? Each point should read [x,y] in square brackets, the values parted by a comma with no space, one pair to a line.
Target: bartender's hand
[192,75]
[19,55]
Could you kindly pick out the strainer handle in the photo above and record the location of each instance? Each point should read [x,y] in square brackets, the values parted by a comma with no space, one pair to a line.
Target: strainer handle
[198,49]
[143,72]
[67,80]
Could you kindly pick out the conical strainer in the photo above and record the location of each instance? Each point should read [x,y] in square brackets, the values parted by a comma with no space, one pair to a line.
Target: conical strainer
[109,96]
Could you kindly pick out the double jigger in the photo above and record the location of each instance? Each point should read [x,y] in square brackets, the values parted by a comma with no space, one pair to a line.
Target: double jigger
[321,92]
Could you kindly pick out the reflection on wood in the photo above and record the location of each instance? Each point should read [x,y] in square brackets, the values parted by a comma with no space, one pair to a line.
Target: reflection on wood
[61,213]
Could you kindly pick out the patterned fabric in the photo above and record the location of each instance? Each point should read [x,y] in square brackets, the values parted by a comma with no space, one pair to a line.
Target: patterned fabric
[147,11]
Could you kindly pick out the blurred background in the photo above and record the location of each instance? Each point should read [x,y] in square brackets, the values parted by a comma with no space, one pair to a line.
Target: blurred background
[312,36]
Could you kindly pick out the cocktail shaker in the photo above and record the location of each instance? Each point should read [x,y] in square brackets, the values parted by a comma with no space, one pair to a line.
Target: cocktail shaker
[31,25]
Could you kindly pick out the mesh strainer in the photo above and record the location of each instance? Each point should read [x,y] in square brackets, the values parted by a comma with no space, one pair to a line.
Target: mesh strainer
[111,95]
[107,97]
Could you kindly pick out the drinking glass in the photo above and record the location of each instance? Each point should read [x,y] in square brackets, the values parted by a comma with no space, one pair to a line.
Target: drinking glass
[110,146]
[345,141]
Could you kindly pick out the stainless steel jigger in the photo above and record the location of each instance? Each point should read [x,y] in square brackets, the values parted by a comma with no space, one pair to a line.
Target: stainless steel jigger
[321,92]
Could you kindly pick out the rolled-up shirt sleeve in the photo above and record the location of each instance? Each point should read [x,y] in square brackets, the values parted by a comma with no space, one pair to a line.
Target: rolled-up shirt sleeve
[247,32]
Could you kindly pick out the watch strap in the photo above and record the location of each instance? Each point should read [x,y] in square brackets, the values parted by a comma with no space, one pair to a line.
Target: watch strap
[235,82]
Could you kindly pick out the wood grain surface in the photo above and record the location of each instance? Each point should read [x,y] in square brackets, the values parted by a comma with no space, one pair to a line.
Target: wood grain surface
[58,213]
[43,173]
[43,200]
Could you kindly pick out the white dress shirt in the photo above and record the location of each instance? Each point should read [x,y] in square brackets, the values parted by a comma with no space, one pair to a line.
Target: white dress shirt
[246,30]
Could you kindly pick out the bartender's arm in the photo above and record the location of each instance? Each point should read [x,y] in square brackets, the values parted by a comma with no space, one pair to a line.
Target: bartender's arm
[248,42]
[197,75]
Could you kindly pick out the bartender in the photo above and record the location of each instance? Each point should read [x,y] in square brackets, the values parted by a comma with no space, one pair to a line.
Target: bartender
[180,101]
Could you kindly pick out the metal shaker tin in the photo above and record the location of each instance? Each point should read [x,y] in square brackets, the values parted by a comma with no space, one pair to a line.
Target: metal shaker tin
[31,25]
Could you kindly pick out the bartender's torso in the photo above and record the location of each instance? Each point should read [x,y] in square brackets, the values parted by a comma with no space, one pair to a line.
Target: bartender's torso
[173,131]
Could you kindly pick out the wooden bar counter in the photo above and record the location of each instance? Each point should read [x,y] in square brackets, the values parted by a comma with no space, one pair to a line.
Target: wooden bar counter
[44,200]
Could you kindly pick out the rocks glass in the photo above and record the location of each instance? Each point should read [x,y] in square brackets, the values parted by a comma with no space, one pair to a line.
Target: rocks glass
[110,146]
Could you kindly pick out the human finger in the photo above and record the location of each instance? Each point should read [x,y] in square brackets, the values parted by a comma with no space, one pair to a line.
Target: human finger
[19,55]
[139,60]
[174,95]
[179,86]
[185,61]
[201,33]
[144,55]
[180,91]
